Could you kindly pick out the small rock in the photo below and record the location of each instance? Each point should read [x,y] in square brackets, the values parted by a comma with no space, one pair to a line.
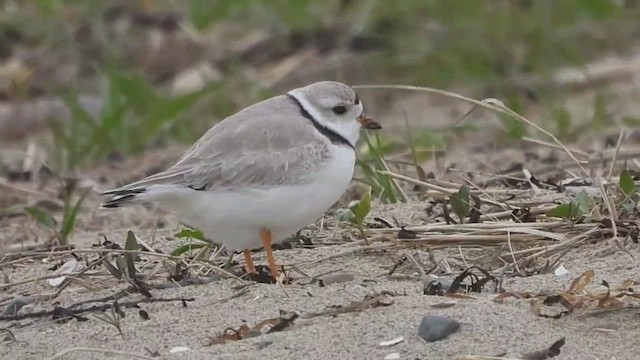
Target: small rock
[336,278]
[264,343]
[15,306]
[392,356]
[434,327]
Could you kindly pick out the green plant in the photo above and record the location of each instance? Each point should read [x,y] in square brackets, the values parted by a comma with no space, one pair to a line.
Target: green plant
[360,211]
[461,203]
[133,115]
[190,234]
[61,230]
[374,162]
[465,205]
[629,190]
[113,318]
[580,206]
[125,267]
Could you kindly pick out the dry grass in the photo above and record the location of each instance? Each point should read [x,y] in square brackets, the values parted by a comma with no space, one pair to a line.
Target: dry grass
[522,242]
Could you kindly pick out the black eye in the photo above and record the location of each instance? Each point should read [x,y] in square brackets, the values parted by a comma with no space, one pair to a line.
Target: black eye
[339,110]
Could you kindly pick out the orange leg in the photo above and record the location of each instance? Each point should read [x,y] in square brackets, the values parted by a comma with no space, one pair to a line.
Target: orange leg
[265,235]
[248,261]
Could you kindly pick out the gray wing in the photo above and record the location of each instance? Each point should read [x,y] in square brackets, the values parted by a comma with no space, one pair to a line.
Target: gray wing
[267,144]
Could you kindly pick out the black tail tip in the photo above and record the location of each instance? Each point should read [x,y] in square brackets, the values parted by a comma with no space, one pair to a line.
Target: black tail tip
[120,198]
[109,205]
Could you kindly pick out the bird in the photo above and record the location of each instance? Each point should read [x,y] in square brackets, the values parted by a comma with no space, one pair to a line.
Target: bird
[260,175]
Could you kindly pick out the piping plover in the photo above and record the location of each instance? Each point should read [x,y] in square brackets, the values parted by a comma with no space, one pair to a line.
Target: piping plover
[262,174]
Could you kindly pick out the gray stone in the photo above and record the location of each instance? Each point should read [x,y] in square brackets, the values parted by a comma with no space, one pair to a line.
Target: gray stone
[336,278]
[435,327]
[15,306]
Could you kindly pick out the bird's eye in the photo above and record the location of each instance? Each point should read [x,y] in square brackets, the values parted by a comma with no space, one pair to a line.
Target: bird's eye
[339,110]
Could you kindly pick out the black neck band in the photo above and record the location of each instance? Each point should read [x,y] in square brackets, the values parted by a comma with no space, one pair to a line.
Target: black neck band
[333,136]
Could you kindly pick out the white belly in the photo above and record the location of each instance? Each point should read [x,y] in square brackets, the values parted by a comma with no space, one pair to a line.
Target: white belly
[236,218]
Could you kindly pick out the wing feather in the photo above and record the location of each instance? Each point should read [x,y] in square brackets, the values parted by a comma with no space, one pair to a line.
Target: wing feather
[264,145]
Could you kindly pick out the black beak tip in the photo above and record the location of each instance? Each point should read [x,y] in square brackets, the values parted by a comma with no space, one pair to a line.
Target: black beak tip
[372,125]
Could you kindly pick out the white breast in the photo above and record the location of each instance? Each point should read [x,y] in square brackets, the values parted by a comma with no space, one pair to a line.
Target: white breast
[234,218]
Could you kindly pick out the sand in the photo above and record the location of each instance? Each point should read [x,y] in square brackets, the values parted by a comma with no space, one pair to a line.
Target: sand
[488,328]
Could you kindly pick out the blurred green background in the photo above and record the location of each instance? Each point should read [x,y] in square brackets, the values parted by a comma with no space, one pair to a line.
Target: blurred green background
[106,79]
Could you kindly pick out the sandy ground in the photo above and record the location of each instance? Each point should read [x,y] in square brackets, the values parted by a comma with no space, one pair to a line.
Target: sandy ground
[488,328]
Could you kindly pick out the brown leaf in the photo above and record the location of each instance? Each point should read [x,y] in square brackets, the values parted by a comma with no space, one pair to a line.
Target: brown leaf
[555,305]
[515,294]
[230,334]
[580,283]
[626,285]
[285,320]
[607,300]
[369,302]
[280,323]
[552,351]
[457,296]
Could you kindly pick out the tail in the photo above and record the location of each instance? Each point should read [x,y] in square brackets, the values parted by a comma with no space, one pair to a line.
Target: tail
[122,197]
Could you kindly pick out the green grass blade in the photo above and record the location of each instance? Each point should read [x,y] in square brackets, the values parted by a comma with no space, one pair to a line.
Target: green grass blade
[186,248]
[129,258]
[41,216]
[70,215]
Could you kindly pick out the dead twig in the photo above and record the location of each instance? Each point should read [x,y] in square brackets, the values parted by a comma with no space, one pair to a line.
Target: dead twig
[63,353]
[70,311]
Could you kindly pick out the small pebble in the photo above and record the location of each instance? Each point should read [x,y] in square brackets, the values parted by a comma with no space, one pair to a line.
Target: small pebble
[434,327]
[263,344]
[336,278]
[392,356]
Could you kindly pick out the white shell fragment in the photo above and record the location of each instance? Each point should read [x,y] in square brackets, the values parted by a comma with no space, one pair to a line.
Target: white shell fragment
[178,349]
[68,267]
[561,271]
[395,341]
[392,356]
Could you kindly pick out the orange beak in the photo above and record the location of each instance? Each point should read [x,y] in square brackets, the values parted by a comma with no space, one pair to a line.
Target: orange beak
[368,123]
